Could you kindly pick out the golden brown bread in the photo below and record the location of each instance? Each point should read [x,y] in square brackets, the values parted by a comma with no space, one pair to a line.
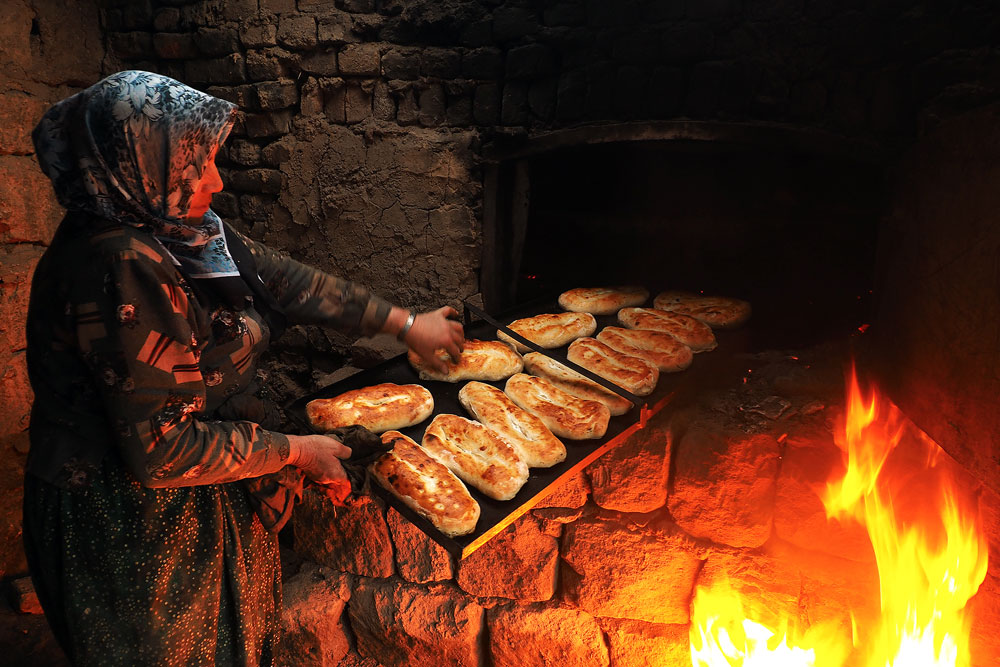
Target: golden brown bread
[523,431]
[426,486]
[564,414]
[632,373]
[696,335]
[550,330]
[718,312]
[379,408]
[660,349]
[488,360]
[603,300]
[573,383]
[477,455]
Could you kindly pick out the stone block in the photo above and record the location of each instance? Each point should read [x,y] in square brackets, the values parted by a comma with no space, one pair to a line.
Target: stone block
[358,102]
[257,34]
[226,205]
[228,70]
[276,153]
[810,460]
[513,23]
[571,95]
[540,636]
[482,64]
[274,95]
[15,391]
[23,598]
[571,493]
[476,33]
[401,64]
[724,481]
[514,107]
[640,644]
[542,98]
[666,85]
[334,95]
[239,10]
[29,212]
[359,6]
[432,103]
[370,352]
[336,29]
[359,60]
[521,563]
[440,63]
[131,45]
[271,124]
[137,15]
[404,624]
[12,559]
[245,96]
[244,152]
[19,112]
[297,32]
[459,112]
[175,46]
[418,558]
[323,63]
[653,567]
[256,207]
[383,104]
[350,539]
[278,6]
[530,62]
[166,19]
[407,111]
[214,42]
[632,477]
[312,632]
[263,65]
[46,34]
[15,34]
[311,103]
[262,181]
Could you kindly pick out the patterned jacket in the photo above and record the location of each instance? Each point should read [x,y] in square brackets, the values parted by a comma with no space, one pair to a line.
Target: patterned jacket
[127,358]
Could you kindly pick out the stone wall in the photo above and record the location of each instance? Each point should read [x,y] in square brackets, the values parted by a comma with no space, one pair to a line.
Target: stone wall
[39,68]
[602,572]
[365,122]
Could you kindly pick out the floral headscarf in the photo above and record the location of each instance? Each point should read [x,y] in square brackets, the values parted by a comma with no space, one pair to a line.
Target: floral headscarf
[132,148]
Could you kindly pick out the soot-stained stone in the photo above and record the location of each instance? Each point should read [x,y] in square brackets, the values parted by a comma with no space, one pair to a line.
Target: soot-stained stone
[652,567]
[350,539]
[405,624]
[521,563]
[539,636]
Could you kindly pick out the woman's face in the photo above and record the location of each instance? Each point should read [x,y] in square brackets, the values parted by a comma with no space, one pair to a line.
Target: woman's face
[209,184]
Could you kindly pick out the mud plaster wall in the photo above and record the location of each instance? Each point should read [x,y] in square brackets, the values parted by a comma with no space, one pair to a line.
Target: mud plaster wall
[37,70]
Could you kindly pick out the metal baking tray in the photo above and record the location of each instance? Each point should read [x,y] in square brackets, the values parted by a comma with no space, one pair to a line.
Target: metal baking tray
[495,514]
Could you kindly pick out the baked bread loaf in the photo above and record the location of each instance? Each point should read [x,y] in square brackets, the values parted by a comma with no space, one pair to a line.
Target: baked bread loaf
[696,335]
[602,300]
[477,455]
[425,485]
[550,330]
[718,312]
[488,360]
[564,414]
[379,408]
[660,349]
[573,383]
[520,429]
[632,373]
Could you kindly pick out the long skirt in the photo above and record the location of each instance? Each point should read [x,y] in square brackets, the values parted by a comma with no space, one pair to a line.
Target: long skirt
[129,575]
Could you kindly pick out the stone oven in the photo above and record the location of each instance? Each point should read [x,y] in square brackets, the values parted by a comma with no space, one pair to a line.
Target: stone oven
[836,163]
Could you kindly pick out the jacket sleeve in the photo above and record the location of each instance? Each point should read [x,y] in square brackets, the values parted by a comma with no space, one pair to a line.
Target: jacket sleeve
[138,340]
[310,296]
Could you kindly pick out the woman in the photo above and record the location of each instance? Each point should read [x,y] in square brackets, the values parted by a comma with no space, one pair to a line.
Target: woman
[148,498]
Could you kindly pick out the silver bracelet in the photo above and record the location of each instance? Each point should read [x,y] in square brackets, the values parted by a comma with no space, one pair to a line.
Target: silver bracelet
[406,327]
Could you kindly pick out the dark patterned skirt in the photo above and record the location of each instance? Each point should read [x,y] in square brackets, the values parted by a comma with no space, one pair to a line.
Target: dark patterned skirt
[129,575]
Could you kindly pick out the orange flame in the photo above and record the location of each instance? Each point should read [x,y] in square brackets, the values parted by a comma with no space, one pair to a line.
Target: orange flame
[929,547]
[931,560]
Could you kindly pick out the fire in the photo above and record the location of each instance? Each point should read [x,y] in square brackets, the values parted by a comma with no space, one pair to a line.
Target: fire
[930,551]
[929,548]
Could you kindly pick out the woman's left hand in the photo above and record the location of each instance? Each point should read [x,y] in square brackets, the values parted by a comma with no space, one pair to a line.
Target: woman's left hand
[434,331]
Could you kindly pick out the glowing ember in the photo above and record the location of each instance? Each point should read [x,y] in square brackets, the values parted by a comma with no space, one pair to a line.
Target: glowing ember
[931,557]
[928,544]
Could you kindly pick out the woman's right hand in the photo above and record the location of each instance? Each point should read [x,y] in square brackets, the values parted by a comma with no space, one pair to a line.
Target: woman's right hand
[319,456]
